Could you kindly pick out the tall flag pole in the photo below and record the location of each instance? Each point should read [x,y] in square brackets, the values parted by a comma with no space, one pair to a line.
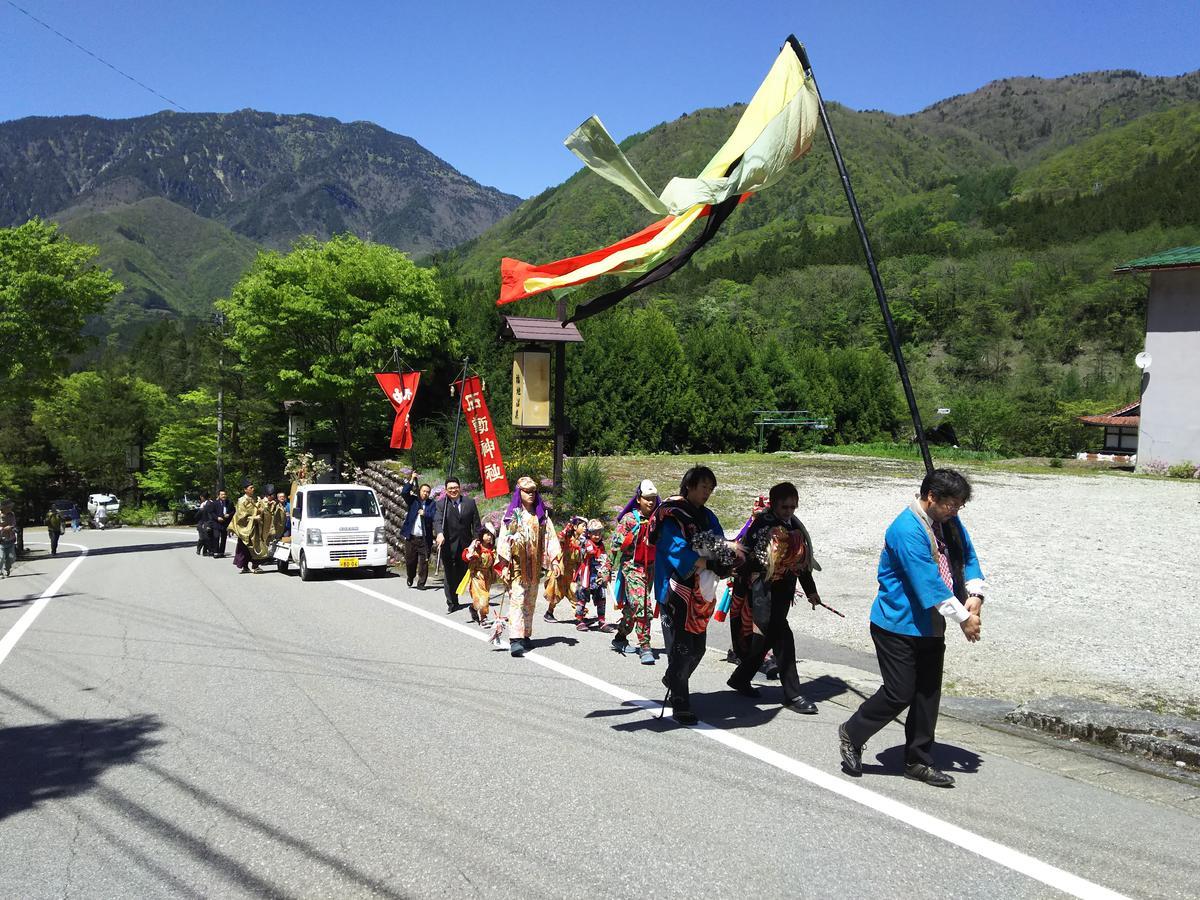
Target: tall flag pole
[866,245]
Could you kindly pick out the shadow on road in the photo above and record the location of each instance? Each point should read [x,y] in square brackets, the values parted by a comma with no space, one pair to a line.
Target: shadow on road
[947,757]
[67,757]
[29,598]
[139,548]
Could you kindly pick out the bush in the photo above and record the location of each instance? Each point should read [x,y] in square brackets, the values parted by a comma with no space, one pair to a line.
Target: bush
[1056,463]
[585,489]
[428,449]
[1187,469]
[144,514]
[529,456]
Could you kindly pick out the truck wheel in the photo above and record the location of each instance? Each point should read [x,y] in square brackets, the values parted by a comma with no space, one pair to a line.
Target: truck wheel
[379,571]
[306,574]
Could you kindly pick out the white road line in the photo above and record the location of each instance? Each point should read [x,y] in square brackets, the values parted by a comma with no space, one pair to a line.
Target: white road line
[966,840]
[14,634]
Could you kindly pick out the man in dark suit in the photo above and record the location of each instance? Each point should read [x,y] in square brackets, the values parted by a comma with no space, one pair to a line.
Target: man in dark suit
[222,515]
[417,532]
[455,526]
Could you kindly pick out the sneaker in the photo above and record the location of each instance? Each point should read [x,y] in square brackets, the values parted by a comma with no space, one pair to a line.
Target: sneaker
[608,628]
[549,616]
[851,755]
[732,657]
[516,647]
[632,649]
[620,645]
[928,774]
[582,626]
[647,656]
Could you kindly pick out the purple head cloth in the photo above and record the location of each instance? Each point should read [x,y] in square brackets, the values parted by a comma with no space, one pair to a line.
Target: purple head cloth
[539,510]
[628,508]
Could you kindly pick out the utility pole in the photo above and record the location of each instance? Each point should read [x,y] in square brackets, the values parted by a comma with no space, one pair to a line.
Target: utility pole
[220,319]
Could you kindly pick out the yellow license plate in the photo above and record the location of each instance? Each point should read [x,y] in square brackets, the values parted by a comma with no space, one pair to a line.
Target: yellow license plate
[349,563]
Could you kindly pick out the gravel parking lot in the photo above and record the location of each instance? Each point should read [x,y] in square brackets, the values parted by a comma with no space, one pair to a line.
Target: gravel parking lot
[1093,578]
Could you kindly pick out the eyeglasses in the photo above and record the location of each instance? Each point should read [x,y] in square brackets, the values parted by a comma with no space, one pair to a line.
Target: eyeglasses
[528,490]
[951,504]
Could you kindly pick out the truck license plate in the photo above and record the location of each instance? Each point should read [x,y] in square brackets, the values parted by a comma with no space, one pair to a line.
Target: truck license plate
[348,563]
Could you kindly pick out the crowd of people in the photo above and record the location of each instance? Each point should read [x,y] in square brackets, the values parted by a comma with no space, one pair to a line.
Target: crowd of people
[666,558]
[257,524]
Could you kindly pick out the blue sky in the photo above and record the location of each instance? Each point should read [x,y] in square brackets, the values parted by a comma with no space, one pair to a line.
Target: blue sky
[494,87]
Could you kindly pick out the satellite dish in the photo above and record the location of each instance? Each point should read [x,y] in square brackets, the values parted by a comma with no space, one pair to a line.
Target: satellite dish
[1142,360]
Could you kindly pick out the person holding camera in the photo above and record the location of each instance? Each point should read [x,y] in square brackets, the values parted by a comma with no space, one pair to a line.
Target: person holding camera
[417,532]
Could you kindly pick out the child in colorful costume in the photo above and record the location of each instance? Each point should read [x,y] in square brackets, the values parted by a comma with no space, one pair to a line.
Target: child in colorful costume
[778,554]
[634,563]
[560,582]
[480,558]
[690,553]
[528,545]
[591,578]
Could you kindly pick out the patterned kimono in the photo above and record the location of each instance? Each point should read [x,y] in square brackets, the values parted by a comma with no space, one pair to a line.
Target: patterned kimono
[560,582]
[635,562]
[250,527]
[481,570]
[528,547]
[591,580]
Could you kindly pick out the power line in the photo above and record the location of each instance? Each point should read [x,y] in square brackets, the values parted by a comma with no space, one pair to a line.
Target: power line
[98,59]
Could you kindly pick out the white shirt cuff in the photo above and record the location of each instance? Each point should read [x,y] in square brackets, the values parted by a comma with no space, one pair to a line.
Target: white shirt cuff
[951,608]
[977,586]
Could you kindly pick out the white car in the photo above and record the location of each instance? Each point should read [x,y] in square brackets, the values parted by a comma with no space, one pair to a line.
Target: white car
[337,526]
[110,503]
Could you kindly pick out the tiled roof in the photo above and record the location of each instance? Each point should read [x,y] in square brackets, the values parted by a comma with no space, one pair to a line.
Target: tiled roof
[1128,416]
[1180,257]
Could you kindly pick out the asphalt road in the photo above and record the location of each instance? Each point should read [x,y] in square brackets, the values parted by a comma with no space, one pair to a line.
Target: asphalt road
[169,727]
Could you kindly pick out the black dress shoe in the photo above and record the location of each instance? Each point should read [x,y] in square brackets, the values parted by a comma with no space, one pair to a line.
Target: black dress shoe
[928,774]
[851,755]
[746,690]
[801,704]
[684,717]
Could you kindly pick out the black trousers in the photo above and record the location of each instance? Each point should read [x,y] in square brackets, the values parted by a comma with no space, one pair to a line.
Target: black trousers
[776,636]
[416,559]
[54,536]
[453,570]
[221,535]
[912,678]
[684,650]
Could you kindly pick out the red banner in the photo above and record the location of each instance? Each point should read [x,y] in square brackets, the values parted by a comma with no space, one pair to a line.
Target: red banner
[479,423]
[401,389]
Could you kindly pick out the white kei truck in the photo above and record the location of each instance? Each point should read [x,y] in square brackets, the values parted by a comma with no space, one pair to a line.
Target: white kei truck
[336,526]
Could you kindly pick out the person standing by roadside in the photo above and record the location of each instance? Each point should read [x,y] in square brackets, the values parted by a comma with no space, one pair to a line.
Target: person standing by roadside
[222,516]
[690,552]
[779,554]
[417,532]
[54,529]
[75,526]
[455,526]
[928,575]
[634,563]
[8,537]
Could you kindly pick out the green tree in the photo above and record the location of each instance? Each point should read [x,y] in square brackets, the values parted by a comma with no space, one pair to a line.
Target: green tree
[316,323]
[48,288]
[92,419]
[183,456]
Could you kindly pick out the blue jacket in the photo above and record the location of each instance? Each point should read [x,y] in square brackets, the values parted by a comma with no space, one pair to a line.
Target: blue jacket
[910,586]
[673,555]
[415,506]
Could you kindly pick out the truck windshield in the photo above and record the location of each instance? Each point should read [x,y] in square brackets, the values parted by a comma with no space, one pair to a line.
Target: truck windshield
[341,504]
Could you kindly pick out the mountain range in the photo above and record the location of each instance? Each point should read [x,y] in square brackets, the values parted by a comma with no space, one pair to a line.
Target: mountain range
[179,203]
